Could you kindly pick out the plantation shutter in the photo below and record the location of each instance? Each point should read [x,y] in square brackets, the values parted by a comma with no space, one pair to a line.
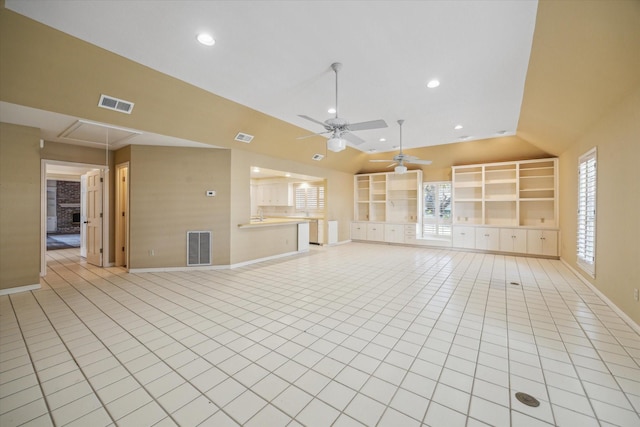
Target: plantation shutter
[587,180]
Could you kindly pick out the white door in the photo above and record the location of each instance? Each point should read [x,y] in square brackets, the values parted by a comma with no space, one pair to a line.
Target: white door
[94,217]
[122,215]
[83,216]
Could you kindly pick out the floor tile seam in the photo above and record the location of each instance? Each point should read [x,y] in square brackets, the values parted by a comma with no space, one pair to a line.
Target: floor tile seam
[33,368]
[121,364]
[572,274]
[544,375]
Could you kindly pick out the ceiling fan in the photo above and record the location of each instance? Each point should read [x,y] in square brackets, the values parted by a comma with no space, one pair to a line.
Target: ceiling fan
[400,159]
[339,128]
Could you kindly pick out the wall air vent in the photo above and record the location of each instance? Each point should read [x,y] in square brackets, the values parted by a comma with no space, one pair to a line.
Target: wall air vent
[243,137]
[115,104]
[198,248]
[318,157]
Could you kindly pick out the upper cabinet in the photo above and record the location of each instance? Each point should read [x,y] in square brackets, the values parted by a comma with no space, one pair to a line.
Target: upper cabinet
[388,197]
[522,193]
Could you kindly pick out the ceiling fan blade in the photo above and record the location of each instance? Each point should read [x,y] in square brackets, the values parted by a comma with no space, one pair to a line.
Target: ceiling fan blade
[356,140]
[313,134]
[313,120]
[381,161]
[392,165]
[373,124]
[419,162]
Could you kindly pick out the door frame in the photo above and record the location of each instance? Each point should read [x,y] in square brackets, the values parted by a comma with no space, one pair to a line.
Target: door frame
[43,209]
[122,206]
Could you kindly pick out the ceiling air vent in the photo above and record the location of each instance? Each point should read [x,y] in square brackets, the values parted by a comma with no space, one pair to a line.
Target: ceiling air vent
[111,103]
[318,157]
[243,137]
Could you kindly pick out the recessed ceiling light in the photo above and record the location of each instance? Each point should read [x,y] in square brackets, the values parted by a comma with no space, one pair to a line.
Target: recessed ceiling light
[394,147]
[331,111]
[372,150]
[501,132]
[458,127]
[288,175]
[255,169]
[465,137]
[206,39]
[433,83]
[383,139]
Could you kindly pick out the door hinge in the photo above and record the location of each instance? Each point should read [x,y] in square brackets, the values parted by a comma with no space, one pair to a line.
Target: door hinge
[100,214]
[124,179]
[101,180]
[100,250]
[123,249]
[122,213]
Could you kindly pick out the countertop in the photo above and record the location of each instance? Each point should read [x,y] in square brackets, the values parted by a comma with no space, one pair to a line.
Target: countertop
[266,222]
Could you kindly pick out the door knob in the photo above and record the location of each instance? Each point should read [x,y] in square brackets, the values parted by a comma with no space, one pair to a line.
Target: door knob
[86,222]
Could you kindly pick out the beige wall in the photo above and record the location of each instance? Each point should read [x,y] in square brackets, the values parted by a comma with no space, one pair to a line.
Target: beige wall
[19,206]
[168,198]
[617,139]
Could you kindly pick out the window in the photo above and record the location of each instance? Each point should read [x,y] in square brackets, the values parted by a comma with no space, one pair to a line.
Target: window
[309,197]
[587,181]
[437,209]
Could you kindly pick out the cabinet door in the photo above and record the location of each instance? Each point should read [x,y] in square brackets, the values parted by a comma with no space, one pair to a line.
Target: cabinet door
[487,239]
[410,233]
[513,240]
[542,242]
[394,233]
[464,237]
[375,232]
[358,231]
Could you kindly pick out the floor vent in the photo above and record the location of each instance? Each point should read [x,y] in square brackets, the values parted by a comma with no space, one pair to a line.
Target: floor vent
[198,248]
[243,137]
[115,104]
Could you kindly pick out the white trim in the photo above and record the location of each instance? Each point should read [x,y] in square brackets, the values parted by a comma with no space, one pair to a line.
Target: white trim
[624,316]
[18,289]
[211,267]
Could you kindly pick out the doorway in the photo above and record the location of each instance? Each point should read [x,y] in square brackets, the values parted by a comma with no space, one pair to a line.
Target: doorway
[122,215]
[67,222]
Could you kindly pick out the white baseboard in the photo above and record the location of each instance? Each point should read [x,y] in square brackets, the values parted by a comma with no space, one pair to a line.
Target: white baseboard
[624,316]
[18,289]
[212,267]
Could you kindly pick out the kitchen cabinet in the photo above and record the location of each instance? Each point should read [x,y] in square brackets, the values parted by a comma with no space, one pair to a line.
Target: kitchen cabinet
[275,194]
[358,231]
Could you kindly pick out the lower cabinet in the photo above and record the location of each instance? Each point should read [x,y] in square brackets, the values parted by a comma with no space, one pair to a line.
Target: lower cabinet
[358,231]
[488,239]
[513,240]
[542,242]
[464,237]
[394,233]
[375,232]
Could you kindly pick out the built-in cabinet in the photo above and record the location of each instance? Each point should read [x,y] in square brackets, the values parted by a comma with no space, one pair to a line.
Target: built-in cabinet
[274,194]
[387,206]
[507,207]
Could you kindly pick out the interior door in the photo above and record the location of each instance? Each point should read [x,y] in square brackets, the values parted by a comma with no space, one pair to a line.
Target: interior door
[94,217]
[83,216]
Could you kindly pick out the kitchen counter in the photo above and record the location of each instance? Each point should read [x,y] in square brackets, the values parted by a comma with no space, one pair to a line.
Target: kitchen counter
[267,222]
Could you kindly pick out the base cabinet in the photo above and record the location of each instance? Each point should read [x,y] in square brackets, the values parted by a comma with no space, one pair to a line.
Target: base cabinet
[542,242]
[488,239]
[375,232]
[509,239]
[394,233]
[513,240]
[358,231]
[464,237]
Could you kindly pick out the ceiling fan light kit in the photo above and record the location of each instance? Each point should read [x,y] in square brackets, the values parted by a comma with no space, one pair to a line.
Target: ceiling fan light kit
[400,159]
[336,144]
[339,128]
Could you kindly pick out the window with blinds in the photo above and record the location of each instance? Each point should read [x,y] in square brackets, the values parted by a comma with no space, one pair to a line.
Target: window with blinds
[437,209]
[309,197]
[587,181]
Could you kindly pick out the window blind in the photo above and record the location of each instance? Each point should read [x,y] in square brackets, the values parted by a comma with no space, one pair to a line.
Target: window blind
[587,182]
[309,197]
[437,209]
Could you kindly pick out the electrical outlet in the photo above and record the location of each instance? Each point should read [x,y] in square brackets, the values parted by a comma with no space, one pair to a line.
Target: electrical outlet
[635,294]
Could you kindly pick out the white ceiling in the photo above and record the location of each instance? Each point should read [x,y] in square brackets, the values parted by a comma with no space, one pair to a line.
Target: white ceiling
[275,57]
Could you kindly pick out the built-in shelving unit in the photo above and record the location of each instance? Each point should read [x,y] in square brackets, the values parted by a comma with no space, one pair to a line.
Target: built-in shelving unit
[508,195]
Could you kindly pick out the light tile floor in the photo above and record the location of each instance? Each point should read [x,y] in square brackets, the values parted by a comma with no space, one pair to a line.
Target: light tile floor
[357,334]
